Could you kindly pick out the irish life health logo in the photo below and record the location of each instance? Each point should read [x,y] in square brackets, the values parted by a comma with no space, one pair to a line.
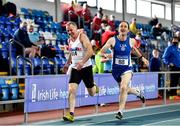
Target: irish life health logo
[33,93]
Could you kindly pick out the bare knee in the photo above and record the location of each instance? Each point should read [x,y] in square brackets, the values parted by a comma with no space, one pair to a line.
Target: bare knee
[72,90]
[123,88]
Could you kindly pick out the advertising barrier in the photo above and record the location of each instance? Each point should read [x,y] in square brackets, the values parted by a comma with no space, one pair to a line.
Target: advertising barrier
[44,93]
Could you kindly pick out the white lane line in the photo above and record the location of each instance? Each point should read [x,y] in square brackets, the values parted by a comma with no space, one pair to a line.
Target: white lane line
[87,124]
[160,122]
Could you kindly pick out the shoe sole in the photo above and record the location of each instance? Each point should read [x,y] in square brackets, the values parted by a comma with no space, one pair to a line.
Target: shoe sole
[66,119]
[142,99]
[120,118]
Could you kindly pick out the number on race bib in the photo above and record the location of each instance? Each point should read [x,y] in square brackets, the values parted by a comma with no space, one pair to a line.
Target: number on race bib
[121,61]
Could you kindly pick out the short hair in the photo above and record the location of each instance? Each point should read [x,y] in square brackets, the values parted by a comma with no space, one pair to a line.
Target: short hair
[125,22]
[174,38]
[160,25]
[71,23]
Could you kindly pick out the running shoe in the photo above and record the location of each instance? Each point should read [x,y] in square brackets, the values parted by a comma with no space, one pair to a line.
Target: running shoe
[119,115]
[141,96]
[68,117]
[97,88]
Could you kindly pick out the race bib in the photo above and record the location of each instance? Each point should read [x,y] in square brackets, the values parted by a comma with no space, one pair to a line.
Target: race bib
[77,53]
[121,61]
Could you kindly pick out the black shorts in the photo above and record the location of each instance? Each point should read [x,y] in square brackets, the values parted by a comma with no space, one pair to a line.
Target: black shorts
[84,74]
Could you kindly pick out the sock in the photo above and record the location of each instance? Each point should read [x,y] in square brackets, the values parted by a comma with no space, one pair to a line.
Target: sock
[71,113]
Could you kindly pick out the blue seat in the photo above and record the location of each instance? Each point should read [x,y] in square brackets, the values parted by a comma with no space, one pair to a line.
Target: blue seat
[20,66]
[37,65]
[59,63]
[147,27]
[58,34]
[56,26]
[64,38]
[139,26]
[2,20]
[46,28]
[2,26]
[47,66]
[25,10]
[5,50]
[117,22]
[14,91]
[13,65]
[4,90]
[49,18]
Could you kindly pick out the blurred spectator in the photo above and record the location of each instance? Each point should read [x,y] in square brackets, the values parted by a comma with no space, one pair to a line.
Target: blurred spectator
[137,42]
[154,21]
[70,13]
[171,57]
[100,10]
[104,22]
[97,22]
[85,13]
[155,66]
[98,66]
[96,27]
[22,37]
[132,28]
[35,36]
[107,34]
[107,62]
[9,9]
[1,7]
[178,35]
[157,30]
[155,62]
[111,22]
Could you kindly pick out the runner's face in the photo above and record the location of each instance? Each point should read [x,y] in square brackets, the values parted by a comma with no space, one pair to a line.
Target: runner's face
[123,28]
[71,30]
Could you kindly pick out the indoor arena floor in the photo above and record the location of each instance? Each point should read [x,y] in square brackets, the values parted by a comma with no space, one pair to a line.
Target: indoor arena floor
[154,115]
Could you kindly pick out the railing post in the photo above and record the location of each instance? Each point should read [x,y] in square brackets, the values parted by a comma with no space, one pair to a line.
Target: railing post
[17,42]
[165,88]
[96,108]
[10,57]
[25,118]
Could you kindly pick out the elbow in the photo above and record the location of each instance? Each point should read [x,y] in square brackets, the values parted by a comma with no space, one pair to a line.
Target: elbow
[92,53]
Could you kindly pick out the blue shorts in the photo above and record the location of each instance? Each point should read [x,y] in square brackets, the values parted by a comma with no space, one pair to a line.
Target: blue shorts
[118,72]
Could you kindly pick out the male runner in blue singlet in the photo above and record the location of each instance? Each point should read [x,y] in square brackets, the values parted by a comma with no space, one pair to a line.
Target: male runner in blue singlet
[122,67]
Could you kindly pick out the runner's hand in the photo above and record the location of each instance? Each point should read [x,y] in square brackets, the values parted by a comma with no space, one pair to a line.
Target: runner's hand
[79,65]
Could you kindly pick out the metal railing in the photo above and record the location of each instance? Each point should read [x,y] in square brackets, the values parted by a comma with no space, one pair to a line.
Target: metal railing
[12,41]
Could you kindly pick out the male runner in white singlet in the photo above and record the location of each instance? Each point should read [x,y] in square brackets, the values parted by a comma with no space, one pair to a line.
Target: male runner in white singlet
[81,51]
